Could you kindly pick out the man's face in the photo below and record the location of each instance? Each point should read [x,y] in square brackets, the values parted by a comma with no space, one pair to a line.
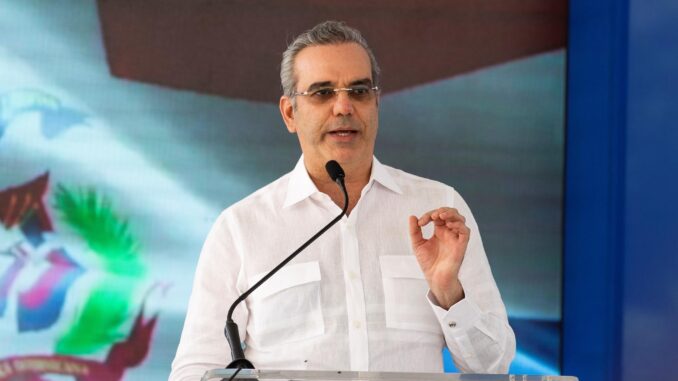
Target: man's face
[340,128]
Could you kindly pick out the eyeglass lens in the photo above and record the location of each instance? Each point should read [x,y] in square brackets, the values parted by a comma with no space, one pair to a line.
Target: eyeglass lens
[357,93]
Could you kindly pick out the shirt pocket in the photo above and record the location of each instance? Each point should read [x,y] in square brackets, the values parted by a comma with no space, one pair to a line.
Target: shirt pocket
[287,307]
[405,302]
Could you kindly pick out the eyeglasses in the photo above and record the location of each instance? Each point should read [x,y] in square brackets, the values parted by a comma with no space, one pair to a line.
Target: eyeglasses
[357,93]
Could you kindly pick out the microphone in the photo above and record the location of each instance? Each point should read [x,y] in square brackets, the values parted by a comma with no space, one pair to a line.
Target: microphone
[231,330]
[336,172]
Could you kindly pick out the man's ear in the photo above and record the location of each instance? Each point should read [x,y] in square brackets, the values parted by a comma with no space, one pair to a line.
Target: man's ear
[287,112]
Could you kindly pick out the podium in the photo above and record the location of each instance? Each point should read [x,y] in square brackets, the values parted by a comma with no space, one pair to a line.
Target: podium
[318,375]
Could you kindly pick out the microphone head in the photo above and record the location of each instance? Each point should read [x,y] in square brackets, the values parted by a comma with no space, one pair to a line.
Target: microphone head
[334,170]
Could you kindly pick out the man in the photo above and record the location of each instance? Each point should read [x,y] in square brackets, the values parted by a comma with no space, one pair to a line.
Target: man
[355,299]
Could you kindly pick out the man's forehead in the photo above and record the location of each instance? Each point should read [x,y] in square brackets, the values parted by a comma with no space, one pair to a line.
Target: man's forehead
[332,64]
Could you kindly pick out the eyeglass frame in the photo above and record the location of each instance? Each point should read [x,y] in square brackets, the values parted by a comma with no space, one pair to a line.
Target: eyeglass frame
[336,90]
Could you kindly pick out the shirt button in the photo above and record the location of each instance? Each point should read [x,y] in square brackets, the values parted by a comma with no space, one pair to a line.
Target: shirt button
[353,275]
[356,324]
[452,324]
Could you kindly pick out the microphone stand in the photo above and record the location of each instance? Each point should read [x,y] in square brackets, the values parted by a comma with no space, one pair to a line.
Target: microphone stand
[231,329]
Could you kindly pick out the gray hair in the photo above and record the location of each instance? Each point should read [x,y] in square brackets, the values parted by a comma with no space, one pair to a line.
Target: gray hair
[325,33]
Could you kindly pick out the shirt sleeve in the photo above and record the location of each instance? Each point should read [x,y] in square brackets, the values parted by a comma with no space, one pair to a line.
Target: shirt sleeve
[203,345]
[476,328]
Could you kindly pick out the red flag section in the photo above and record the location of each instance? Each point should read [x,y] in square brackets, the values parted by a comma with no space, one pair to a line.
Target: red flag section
[17,203]
[233,48]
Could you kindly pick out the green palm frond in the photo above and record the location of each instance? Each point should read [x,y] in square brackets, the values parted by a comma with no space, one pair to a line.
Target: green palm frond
[102,317]
[93,218]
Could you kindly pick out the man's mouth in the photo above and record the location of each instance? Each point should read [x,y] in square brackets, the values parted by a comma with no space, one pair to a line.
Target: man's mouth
[343,132]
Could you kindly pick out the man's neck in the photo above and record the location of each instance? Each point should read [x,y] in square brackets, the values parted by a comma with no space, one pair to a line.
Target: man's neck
[356,179]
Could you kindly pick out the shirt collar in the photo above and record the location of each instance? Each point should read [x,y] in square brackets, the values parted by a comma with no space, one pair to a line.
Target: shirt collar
[381,175]
[301,186]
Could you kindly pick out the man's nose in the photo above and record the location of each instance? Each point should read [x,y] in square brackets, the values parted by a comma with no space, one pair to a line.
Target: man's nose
[342,104]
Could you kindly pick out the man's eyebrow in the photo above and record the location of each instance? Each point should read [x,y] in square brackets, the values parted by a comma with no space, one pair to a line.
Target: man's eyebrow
[364,81]
[319,85]
[325,84]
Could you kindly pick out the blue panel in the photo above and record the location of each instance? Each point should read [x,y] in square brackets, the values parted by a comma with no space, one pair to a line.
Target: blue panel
[594,195]
[620,297]
[650,290]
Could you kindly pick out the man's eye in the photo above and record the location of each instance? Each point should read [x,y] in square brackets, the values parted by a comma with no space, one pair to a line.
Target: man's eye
[323,93]
[360,90]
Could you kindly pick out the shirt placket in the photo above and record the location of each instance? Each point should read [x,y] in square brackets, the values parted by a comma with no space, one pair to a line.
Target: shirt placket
[355,297]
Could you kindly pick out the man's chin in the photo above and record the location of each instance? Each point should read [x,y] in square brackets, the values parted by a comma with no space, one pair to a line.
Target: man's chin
[351,158]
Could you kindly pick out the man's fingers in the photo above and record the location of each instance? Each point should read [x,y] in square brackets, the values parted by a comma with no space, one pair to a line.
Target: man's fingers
[425,218]
[441,216]
[458,228]
[431,215]
[416,236]
[451,214]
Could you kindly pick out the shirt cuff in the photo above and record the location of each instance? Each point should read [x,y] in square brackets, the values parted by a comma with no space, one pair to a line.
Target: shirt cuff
[460,317]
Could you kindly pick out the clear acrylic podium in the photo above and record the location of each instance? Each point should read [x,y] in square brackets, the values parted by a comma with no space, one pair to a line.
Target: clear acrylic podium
[316,375]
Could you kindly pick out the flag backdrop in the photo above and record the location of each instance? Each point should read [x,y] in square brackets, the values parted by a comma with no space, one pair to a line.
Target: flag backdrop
[126,127]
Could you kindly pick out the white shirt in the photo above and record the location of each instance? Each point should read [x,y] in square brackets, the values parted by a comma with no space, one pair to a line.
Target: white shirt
[355,299]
